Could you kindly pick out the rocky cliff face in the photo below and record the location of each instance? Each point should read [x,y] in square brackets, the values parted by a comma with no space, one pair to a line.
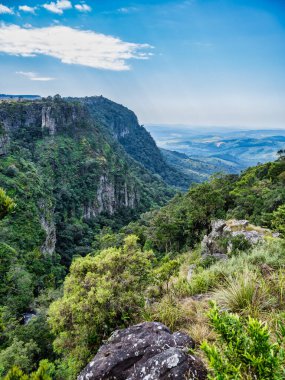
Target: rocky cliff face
[80,171]
[134,138]
[227,236]
[110,198]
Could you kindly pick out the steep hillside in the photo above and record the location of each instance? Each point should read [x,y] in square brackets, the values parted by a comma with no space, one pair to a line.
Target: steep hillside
[258,195]
[136,141]
[67,176]
[199,170]
[197,248]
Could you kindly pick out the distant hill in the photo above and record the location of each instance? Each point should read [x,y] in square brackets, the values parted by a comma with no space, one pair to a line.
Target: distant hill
[123,125]
[199,170]
[230,150]
[19,97]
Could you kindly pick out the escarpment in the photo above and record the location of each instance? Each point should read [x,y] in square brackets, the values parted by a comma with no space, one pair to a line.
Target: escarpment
[77,168]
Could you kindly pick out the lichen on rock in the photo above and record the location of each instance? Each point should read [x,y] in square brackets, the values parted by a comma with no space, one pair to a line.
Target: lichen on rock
[147,351]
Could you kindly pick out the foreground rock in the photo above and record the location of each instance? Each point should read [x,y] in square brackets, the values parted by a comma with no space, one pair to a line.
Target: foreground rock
[148,351]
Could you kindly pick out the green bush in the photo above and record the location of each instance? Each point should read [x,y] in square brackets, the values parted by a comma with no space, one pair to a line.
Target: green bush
[6,204]
[246,293]
[244,349]
[101,293]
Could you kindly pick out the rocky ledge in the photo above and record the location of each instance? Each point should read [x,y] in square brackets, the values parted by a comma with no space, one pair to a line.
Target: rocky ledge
[148,351]
[227,232]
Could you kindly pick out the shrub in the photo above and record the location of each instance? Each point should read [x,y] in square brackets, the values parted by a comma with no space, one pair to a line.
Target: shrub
[6,204]
[246,293]
[244,349]
[239,243]
[278,219]
[101,293]
[167,311]
[165,271]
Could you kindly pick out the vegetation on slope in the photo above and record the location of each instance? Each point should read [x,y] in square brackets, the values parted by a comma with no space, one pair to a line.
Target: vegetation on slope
[67,179]
[49,177]
[136,141]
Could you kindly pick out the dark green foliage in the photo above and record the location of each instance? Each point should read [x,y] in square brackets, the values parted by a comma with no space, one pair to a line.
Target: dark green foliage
[69,178]
[258,195]
[6,204]
[244,349]
[101,293]
[137,142]
[182,222]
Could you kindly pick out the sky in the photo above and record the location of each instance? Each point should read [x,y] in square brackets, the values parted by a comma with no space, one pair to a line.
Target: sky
[188,62]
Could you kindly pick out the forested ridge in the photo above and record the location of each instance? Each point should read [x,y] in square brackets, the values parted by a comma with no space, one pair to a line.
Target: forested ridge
[88,245]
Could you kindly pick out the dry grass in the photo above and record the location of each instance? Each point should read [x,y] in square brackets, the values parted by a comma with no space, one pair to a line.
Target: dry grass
[196,323]
[250,227]
[186,315]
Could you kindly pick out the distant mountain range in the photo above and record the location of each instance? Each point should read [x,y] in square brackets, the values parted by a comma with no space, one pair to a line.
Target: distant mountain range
[19,97]
[209,150]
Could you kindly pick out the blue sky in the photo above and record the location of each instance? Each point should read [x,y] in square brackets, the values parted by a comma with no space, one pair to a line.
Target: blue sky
[192,62]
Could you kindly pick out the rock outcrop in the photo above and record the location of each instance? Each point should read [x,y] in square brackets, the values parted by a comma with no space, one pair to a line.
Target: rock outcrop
[219,242]
[147,351]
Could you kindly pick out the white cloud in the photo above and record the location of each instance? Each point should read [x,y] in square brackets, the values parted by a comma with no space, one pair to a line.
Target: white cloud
[58,7]
[34,76]
[4,9]
[26,8]
[71,46]
[128,10]
[83,8]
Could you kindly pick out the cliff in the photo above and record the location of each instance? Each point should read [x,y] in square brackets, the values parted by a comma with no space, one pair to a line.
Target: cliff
[77,175]
[124,127]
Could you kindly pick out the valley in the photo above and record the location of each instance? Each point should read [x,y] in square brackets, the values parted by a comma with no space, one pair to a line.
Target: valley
[217,149]
[101,230]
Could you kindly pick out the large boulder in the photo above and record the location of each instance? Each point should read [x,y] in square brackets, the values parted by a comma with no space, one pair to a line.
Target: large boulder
[147,351]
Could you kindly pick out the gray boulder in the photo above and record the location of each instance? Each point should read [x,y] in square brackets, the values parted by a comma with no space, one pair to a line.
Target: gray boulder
[147,351]
[230,229]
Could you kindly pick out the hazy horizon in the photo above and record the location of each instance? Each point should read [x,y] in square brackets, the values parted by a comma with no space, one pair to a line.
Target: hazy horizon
[180,62]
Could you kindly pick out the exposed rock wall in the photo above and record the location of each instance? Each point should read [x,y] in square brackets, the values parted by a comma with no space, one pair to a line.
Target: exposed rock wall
[48,121]
[111,197]
[48,225]
[228,231]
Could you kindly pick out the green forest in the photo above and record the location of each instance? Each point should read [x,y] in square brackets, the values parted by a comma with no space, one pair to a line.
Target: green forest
[94,238]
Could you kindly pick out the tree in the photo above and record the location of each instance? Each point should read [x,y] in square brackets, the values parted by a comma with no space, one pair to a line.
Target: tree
[101,293]
[6,204]
[278,219]
[281,154]
[165,271]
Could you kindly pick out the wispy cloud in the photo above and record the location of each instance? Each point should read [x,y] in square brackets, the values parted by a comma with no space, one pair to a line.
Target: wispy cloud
[128,10]
[26,8]
[34,76]
[4,9]
[83,7]
[58,7]
[71,46]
